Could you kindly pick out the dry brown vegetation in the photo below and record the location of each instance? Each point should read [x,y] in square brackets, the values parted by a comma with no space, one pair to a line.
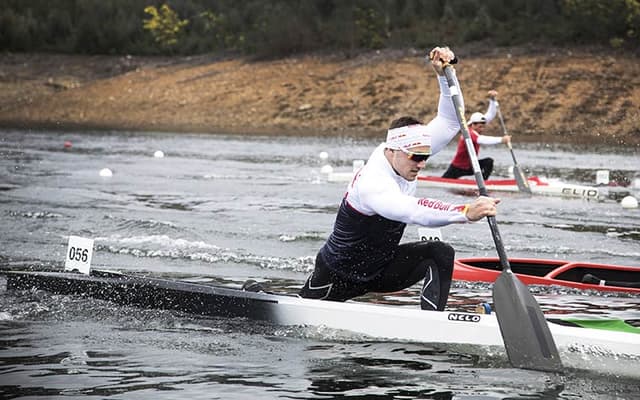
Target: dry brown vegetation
[574,96]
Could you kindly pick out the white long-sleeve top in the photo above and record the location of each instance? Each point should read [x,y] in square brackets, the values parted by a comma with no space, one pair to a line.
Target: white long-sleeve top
[378,189]
[489,116]
[445,125]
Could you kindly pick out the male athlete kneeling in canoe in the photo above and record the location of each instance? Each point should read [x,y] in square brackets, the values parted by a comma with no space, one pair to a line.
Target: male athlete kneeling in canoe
[363,253]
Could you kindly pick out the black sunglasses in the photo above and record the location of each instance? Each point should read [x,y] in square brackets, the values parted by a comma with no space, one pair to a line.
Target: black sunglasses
[416,157]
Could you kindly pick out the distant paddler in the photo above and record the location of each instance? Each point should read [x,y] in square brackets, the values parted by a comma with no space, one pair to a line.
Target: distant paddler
[461,163]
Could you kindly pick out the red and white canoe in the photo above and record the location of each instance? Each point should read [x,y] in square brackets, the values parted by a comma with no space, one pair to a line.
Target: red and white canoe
[538,185]
[531,271]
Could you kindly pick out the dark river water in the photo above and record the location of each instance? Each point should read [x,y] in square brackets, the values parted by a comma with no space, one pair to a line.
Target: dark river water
[228,208]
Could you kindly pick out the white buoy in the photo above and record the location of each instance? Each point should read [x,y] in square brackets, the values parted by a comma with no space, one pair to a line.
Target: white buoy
[323,155]
[106,173]
[629,202]
[602,177]
[326,169]
[357,164]
[158,154]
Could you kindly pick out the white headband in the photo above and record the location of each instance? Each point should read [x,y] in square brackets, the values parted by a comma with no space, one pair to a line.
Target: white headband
[407,137]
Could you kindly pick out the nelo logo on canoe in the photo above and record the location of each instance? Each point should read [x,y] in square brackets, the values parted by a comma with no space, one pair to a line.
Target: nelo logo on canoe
[464,317]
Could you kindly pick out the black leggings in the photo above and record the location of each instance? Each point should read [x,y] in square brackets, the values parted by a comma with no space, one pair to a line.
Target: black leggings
[428,260]
[486,167]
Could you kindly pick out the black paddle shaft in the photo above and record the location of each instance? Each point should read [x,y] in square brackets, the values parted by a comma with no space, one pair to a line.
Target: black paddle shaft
[493,225]
[504,132]
[521,180]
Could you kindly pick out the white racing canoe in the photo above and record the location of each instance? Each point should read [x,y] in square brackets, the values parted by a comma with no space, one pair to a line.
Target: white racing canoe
[577,339]
[539,186]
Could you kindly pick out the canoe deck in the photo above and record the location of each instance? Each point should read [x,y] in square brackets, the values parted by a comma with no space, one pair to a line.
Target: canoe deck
[474,332]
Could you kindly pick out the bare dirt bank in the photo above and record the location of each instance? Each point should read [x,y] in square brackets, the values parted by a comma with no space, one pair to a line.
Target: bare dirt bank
[575,96]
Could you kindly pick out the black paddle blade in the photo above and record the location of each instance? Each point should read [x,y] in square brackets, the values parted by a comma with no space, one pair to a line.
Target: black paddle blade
[521,181]
[525,332]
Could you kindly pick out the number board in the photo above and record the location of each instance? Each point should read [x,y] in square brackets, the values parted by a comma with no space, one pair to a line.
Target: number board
[429,234]
[79,253]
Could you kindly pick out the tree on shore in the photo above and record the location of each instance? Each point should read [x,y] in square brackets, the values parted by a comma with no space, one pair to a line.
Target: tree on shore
[164,25]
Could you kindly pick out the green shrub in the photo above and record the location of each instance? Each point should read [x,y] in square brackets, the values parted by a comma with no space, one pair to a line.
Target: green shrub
[164,25]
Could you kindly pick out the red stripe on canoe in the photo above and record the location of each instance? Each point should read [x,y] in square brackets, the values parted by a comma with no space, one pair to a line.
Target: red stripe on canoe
[533,181]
